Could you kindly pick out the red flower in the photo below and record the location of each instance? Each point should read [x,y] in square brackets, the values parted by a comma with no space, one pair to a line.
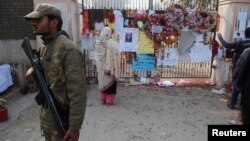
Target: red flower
[111,17]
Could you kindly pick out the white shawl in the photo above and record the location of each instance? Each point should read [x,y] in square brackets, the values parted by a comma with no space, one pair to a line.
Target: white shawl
[108,60]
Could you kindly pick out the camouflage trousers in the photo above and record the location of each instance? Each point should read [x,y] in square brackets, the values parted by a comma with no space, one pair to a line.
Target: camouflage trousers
[52,135]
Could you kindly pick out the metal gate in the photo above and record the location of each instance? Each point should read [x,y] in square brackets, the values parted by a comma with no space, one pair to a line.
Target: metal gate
[146,4]
[183,69]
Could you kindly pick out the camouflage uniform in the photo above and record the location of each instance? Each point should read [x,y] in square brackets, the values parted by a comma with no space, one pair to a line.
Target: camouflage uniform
[62,63]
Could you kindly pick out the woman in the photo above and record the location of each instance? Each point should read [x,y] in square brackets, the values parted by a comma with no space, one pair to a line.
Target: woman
[108,66]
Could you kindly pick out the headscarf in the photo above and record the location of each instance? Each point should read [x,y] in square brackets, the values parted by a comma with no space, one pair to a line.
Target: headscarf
[105,35]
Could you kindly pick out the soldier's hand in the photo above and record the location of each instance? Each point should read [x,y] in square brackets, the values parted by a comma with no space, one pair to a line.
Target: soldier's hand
[30,76]
[73,135]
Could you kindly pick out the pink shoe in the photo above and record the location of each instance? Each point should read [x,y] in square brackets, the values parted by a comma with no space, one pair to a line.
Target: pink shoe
[110,100]
[103,97]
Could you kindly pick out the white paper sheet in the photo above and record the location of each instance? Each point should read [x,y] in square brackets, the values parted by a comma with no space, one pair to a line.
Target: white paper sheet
[87,43]
[242,16]
[242,20]
[170,57]
[156,29]
[129,39]
[119,20]
[99,26]
[151,12]
[126,22]
[200,53]
[186,41]
[242,25]
[198,36]
[165,83]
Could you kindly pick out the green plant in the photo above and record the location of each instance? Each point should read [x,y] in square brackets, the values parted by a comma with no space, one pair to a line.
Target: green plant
[3,104]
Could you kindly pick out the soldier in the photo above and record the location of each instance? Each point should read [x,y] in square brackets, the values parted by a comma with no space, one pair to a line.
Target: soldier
[62,63]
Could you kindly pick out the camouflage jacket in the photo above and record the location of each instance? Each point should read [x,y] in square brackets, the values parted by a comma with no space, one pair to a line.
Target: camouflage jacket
[62,63]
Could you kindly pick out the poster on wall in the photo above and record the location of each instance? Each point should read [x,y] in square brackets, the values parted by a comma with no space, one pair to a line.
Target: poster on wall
[145,44]
[242,21]
[143,62]
[129,39]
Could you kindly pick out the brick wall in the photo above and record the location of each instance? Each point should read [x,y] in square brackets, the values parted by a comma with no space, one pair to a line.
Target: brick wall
[13,26]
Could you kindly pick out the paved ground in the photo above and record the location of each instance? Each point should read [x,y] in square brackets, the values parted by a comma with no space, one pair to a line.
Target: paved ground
[141,114]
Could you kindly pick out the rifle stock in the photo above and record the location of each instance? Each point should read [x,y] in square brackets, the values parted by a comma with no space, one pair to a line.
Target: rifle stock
[61,120]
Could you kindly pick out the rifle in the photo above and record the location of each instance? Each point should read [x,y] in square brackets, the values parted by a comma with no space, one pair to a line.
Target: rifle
[60,118]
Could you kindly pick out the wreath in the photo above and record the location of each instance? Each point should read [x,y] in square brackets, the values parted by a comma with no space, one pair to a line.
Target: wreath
[176,18]
[155,19]
[202,21]
[173,20]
